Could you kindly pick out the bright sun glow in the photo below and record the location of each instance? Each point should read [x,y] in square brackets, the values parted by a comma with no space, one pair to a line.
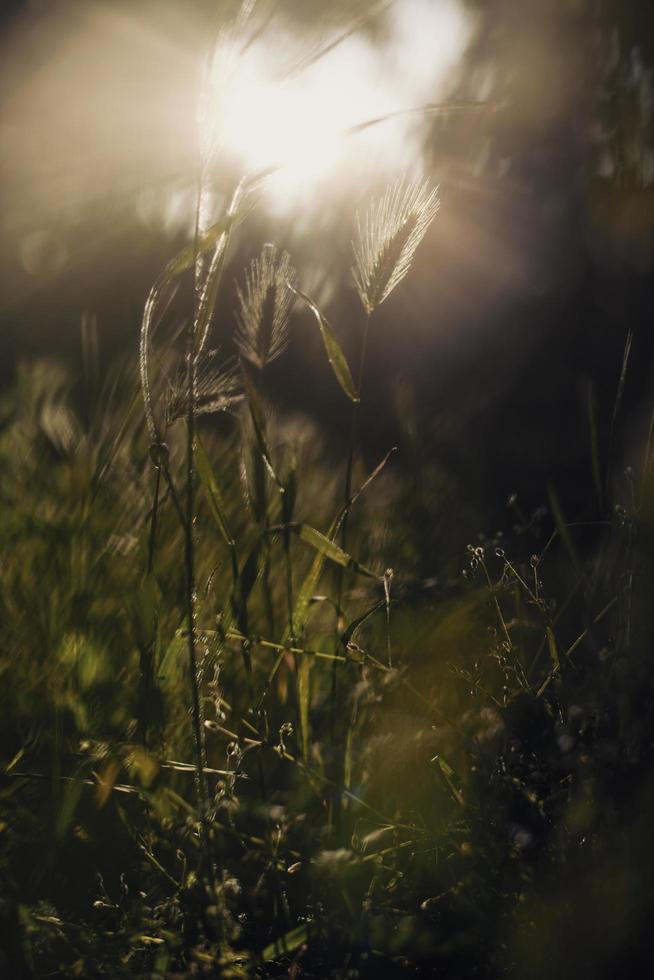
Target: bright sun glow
[270,122]
[300,122]
[108,116]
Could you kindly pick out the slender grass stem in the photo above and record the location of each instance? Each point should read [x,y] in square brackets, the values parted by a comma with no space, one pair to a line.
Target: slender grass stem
[174,496]
[154,513]
[354,429]
[146,658]
[289,583]
[189,560]
[189,555]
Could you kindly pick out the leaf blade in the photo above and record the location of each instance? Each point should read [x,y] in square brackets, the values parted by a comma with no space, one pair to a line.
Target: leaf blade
[333,349]
[259,425]
[212,492]
[331,550]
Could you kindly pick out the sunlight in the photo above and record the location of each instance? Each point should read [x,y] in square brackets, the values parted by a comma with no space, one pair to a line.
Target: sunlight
[268,122]
[123,91]
[300,122]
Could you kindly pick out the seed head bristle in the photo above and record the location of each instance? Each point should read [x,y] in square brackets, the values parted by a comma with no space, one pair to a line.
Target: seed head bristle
[217,389]
[264,307]
[388,237]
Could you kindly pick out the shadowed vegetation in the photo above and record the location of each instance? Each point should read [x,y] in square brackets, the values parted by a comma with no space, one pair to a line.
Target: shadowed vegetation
[276,704]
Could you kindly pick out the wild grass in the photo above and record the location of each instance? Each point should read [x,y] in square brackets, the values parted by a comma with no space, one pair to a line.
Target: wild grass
[221,760]
[455,791]
[388,237]
[481,779]
[264,308]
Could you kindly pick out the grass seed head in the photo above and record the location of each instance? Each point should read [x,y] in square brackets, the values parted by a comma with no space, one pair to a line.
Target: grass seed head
[388,237]
[217,389]
[264,306]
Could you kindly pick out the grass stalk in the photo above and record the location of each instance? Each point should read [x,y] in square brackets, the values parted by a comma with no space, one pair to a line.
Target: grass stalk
[189,564]
[354,430]
[146,653]
[154,513]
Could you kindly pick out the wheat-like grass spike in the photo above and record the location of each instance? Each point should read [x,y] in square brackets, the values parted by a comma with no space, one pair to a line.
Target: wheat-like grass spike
[264,307]
[388,237]
[217,389]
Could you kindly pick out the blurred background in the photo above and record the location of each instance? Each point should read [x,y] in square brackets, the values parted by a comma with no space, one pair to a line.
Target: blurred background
[512,368]
[539,263]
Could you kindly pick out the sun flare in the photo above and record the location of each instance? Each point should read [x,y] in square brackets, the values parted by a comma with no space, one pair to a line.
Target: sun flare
[267,122]
[260,113]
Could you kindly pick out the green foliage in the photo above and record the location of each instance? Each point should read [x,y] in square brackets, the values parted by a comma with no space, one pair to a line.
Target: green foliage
[477,776]
[357,795]
[333,350]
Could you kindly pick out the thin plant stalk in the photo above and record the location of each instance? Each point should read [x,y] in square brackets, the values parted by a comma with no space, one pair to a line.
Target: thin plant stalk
[198,331]
[267,594]
[189,561]
[289,583]
[388,236]
[146,657]
[354,428]
[154,514]
[189,543]
[263,311]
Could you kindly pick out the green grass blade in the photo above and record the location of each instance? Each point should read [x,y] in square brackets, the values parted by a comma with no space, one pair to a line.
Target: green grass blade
[286,944]
[334,351]
[562,527]
[259,424]
[331,550]
[591,410]
[212,491]
[304,697]
[621,382]
[448,774]
[185,259]
[348,635]
[310,584]
[307,590]
[553,649]
[300,611]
